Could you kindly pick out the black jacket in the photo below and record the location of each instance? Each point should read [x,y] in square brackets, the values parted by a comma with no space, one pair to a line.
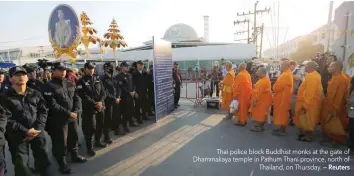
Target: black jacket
[91,91]
[140,81]
[27,111]
[150,81]
[3,88]
[35,84]
[125,82]
[4,115]
[111,88]
[62,99]
[177,81]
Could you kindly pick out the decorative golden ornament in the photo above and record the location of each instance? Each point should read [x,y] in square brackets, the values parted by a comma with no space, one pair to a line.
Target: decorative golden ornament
[88,33]
[113,37]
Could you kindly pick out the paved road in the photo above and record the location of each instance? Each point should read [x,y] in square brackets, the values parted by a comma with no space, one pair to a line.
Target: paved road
[167,148]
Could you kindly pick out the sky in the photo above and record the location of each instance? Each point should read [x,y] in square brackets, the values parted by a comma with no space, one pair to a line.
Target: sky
[25,24]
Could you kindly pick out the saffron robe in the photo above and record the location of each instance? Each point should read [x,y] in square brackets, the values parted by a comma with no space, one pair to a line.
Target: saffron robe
[283,90]
[242,89]
[262,99]
[227,95]
[309,101]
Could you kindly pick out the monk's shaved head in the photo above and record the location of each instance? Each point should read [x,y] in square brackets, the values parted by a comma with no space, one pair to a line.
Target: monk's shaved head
[261,72]
[310,66]
[336,67]
[285,65]
[243,66]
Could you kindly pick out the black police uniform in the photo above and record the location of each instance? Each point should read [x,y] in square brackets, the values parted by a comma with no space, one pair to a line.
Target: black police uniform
[125,81]
[33,83]
[112,90]
[177,81]
[4,115]
[27,111]
[151,90]
[91,91]
[62,99]
[140,84]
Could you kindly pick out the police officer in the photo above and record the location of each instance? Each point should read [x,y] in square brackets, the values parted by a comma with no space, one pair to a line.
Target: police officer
[177,79]
[64,105]
[125,82]
[111,102]
[140,83]
[33,82]
[3,87]
[91,91]
[26,124]
[4,115]
[151,90]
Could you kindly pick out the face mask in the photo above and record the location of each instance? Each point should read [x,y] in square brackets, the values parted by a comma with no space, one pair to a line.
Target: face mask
[110,71]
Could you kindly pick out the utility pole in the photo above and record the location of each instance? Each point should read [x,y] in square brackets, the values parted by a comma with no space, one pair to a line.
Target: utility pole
[261,44]
[256,30]
[248,29]
[329,34]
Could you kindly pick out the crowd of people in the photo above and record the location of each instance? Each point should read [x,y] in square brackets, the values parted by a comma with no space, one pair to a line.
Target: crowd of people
[314,93]
[53,102]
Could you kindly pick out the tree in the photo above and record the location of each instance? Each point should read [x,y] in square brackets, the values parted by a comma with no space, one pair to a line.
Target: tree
[306,51]
[113,37]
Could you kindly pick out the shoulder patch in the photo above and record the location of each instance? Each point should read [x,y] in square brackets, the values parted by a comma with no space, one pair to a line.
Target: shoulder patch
[79,86]
[48,93]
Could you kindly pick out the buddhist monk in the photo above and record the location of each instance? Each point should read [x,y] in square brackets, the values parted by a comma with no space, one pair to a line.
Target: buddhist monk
[283,89]
[227,95]
[242,89]
[261,100]
[334,113]
[309,100]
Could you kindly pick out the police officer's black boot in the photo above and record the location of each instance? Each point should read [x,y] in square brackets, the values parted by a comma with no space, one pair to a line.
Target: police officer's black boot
[63,166]
[119,131]
[99,144]
[76,158]
[126,129]
[107,138]
[90,150]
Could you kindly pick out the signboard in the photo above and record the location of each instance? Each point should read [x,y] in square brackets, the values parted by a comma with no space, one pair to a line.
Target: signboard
[163,81]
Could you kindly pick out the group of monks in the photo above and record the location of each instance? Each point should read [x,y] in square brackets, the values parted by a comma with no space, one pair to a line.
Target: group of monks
[312,106]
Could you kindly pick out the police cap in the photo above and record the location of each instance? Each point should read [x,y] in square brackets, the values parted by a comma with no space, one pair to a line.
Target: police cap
[29,68]
[175,63]
[124,64]
[140,62]
[90,65]
[108,65]
[58,66]
[17,69]
[2,71]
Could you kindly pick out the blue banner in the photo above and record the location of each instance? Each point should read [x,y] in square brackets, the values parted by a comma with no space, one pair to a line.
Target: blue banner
[163,81]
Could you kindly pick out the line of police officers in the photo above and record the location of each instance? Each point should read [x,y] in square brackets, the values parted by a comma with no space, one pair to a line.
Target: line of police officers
[28,107]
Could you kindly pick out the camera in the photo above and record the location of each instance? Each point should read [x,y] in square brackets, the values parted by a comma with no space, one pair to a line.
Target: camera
[44,64]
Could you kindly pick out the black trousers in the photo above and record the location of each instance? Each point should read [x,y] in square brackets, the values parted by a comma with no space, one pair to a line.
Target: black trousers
[127,109]
[92,123]
[351,134]
[141,105]
[20,154]
[108,123]
[2,160]
[151,99]
[177,94]
[64,138]
[116,116]
[216,85]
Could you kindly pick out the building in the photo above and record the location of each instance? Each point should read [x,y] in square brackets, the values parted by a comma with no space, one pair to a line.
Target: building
[319,36]
[21,56]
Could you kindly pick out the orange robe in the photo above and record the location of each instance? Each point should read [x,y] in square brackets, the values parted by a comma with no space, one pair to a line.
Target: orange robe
[283,90]
[334,113]
[309,97]
[262,98]
[242,89]
[227,95]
